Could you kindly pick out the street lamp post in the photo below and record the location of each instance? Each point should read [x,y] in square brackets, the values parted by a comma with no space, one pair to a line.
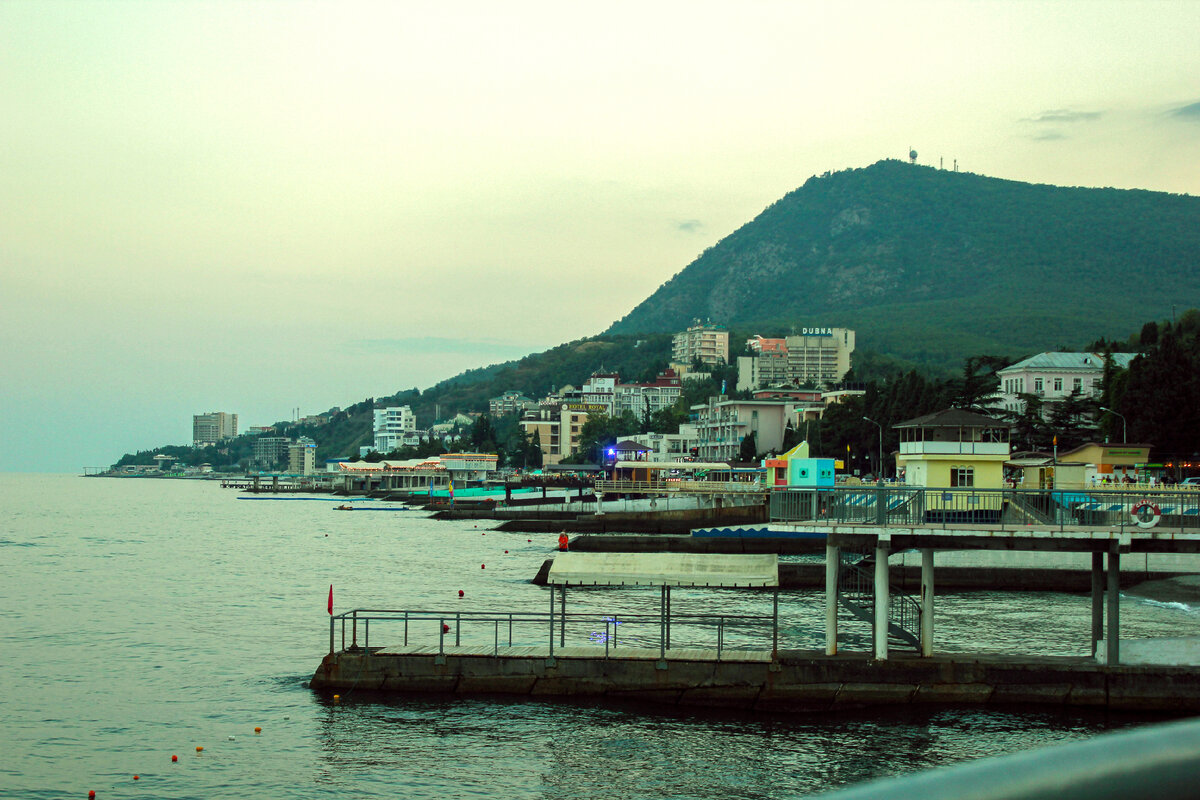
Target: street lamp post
[879,469]
[1124,427]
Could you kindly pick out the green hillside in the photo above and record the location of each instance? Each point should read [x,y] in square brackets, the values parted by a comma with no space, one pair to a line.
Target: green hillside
[933,266]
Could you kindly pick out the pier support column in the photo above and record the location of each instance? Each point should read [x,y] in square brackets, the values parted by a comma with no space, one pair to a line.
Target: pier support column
[1097,600]
[1113,639]
[833,557]
[927,602]
[599,504]
[882,601]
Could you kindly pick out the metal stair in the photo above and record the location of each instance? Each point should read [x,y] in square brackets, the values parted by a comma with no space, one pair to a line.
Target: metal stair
[856,594]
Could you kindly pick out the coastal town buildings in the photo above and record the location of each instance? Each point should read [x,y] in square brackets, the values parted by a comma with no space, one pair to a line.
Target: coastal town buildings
[210,428]
[816,357]
[953,449]
[706,343]
[556,424]
[661,447]
[1053,377]
[392,424]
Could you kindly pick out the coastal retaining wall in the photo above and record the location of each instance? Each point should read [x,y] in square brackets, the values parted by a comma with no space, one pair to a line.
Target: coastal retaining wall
[797,682]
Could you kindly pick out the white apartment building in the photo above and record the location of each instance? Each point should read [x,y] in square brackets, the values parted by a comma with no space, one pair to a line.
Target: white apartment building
[722,424]
[392,424]
[212,427]
[709,343]
[1054,376]
[557,425]
[302,457]
[511,402]
[814,357]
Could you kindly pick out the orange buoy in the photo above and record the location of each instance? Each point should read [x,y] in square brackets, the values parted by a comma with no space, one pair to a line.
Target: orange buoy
[136,778]
[257,729]
[91,794]
[199,748]
[174,759]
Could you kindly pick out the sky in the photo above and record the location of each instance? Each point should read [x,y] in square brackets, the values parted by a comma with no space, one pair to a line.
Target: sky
[258,207]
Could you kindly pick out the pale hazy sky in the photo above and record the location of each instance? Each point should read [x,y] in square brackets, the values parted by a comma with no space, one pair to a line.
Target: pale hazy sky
[254,206]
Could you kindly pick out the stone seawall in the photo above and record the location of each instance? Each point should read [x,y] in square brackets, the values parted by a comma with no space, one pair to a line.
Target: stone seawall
[798,682]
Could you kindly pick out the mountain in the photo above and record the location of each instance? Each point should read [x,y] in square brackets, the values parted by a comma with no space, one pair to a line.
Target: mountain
[933,266]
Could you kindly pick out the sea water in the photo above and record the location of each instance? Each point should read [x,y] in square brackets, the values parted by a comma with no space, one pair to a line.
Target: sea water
[149,618]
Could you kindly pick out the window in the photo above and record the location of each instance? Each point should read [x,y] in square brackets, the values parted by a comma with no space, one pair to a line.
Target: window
[1058,384]
[962,476]
[1078,384]
[1037,385]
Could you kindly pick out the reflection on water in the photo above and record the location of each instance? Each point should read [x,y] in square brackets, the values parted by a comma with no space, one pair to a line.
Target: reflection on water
[145,618]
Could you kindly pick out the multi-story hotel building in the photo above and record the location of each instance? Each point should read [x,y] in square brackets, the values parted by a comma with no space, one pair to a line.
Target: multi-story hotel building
[814,357]
[721,425]
[212,427]
[707,343]
[392,424]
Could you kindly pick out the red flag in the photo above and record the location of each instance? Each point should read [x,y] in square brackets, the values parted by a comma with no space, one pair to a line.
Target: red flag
[331,599]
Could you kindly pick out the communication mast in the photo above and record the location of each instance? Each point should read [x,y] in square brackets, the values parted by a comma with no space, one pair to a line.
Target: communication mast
[912,156]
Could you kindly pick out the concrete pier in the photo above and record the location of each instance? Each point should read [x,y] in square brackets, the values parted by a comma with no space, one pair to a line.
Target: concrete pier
[797,682]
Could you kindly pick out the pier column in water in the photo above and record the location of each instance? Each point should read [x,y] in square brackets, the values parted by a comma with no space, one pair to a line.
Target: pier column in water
[882,600]
[833,557]
[599,504]
[927,602]
[1113,639]
[1097,600]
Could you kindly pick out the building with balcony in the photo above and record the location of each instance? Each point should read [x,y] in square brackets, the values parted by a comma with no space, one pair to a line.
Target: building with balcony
[210,428]
[302,457]
[271,452]
[1055,376]
[814,357]
[511,402]
[721,425]
[953,449]
[662,447]
[392,424]
[557,425]
[706,343]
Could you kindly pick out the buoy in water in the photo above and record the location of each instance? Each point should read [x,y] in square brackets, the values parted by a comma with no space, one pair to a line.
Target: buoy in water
[337,698]
[174,759]
[483,566]
[137,777]
[445,628]
[257,729]
[199,749]
[231,738]
[91,794]
[506,551]
[461,592]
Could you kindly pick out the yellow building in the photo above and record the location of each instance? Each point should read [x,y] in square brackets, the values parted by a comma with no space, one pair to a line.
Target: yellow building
[953,449]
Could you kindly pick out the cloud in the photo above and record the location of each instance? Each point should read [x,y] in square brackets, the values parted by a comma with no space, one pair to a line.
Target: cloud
[1188,112]
[689,225]
[1048,136]
[436,345]
[1058,115]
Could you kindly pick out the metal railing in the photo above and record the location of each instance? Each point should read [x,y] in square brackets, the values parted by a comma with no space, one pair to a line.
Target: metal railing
[1160,761]
[354,629]
[681,486]
[889,504]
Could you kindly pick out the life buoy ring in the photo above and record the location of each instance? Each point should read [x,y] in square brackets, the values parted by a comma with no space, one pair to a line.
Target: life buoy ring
[1145,514]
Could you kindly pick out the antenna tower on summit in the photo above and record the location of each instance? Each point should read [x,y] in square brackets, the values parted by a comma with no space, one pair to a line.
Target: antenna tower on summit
[912,156]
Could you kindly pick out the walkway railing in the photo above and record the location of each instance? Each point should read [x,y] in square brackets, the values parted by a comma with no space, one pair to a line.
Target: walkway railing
[354,630]
[681,486]
[889,504]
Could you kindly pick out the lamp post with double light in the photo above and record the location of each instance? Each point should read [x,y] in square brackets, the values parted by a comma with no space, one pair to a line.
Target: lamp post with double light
[1124,427]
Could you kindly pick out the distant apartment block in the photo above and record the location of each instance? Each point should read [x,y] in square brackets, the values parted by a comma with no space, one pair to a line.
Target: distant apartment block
[814,357]
[511,402]
[1054,376]
[557,425]
[392,424]
[271,452]
[706,343]
[212,427]
[302,457]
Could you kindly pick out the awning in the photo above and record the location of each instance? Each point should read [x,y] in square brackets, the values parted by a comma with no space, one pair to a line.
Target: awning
[664,569]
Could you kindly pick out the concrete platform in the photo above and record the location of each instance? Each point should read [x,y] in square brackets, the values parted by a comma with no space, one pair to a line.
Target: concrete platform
[797,681]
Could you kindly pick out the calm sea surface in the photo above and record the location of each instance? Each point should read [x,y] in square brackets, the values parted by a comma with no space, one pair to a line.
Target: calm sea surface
[146,618]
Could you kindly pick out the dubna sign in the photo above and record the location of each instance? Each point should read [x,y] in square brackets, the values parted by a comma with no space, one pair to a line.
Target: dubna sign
[816,331]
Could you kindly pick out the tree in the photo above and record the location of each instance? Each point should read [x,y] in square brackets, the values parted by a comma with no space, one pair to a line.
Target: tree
[749,448]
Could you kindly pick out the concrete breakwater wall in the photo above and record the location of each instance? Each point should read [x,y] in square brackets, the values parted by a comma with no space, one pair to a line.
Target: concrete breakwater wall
[799,681]
[673,521]
[954,579]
